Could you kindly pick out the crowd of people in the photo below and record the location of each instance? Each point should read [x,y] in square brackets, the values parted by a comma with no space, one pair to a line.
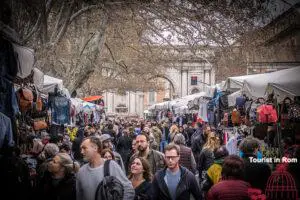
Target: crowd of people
[150,160]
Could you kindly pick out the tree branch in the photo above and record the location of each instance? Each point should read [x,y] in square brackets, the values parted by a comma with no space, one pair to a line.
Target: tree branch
[55,30]
[65,25]
[38,21]
[123,65]
[85,45]
[81,11]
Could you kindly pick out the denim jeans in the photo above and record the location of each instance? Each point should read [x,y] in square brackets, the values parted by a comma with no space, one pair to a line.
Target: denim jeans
[61,110]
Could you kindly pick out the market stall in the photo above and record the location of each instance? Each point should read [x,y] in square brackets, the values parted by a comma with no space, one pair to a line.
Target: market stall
[255,87]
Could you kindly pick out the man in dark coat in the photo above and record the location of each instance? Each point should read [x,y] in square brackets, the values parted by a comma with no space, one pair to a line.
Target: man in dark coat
[124,147]
[197,141]
[175,182]
[187,158]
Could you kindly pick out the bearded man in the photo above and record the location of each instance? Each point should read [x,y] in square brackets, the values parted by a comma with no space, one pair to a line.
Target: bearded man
[155,158]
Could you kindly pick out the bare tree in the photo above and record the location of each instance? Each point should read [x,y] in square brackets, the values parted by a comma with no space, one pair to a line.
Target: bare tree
[122,43]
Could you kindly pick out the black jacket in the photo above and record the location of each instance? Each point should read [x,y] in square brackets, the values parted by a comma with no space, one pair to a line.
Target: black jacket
[205,160]
[257,174]
[143,191]
[187,186]
[65,189]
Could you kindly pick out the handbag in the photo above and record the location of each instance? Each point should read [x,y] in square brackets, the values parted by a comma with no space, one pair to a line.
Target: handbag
[25,99]
[40,125]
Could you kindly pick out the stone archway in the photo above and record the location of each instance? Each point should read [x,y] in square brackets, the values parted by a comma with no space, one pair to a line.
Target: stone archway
[173,91]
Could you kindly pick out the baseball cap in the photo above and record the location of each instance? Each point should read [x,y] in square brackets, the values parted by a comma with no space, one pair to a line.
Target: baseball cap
[105,137]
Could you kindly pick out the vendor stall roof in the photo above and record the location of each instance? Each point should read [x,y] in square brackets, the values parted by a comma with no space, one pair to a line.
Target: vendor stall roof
[50,83]
[284,82]
[236,82]
[92,98]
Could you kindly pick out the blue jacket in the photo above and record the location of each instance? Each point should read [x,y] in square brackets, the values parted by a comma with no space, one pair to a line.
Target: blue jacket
[187,186]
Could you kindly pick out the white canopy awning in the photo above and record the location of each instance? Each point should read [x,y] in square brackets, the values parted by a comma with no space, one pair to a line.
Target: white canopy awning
[50,83]
[283,82]
[236,82]
[183,101]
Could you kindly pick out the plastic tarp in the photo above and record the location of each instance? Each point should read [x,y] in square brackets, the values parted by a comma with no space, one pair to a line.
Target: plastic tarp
[286,88]
[236,82]
[85,106]
[77,103]
[152,107]
[286,81]
[25,57]
[38,79]
[185,100]
[50,83]
[162,105]
[181,110]
[176,103]
[92,98]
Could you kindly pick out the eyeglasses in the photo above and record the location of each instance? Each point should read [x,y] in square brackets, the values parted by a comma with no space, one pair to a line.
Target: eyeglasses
[142,141]
[171,157]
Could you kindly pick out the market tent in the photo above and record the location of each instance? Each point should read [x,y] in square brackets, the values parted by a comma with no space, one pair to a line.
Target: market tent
[286,81]
[289,87]
[181,110]
[152,107]
[91,98]
[183,101]
[81,105]
[50,83]
[38,79]
[162,105]
[25,59]
[236,82]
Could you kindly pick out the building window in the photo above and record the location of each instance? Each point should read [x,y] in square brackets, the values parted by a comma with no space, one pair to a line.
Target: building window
[195,90]
[194,80]
[151,97]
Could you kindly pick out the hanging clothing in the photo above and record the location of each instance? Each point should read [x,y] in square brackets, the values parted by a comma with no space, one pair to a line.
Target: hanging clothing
[8,61]
[97,116]
[8,100]
[211,117]
[231,145]
[6,134]
[203,111]
[61,110]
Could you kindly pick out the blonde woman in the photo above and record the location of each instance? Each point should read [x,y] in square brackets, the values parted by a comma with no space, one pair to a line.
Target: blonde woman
[206,157]
[59,180]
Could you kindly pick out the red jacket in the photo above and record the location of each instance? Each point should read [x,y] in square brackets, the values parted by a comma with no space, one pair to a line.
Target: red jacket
[229,189]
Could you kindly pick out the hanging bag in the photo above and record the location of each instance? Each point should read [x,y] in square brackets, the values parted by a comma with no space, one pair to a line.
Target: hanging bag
[40,124]
[25,97]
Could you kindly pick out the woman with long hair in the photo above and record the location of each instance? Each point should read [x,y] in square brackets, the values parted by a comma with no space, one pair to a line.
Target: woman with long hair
[59,180]
[206,157]
[140,177]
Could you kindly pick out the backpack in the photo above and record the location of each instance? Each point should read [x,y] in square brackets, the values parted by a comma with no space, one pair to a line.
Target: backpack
[110,188]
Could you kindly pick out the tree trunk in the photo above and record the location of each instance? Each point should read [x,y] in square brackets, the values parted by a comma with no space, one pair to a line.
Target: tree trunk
[91,52]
